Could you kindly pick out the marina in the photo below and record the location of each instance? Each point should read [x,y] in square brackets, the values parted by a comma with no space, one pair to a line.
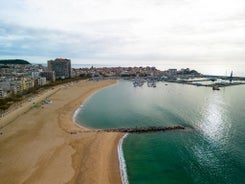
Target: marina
[214,82]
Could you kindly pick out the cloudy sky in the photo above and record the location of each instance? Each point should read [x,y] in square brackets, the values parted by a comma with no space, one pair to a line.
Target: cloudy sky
[124,31]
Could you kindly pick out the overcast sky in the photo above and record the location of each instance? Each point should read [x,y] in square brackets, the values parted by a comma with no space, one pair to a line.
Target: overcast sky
[123,31]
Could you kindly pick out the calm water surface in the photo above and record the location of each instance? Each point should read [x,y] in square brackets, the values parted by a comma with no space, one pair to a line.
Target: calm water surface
[212,151]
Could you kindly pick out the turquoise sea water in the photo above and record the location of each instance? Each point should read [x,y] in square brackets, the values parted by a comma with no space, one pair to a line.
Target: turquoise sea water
[212,151]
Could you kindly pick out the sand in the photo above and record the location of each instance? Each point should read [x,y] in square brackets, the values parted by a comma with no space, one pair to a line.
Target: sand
[41,144]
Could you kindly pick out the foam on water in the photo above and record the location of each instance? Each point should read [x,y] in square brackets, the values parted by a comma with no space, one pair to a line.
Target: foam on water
[76,113]
[122,163]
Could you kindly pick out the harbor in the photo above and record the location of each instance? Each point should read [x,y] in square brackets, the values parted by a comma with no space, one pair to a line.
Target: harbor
[192,78]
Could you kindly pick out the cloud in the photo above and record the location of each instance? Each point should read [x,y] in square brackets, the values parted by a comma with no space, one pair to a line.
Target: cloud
[124,30]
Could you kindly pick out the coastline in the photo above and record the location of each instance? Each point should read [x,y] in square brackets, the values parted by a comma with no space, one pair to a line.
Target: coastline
[79,108]
[44,145]
[122,162]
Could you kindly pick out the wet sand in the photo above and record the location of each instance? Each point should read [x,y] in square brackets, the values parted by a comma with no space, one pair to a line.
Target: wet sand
[43,145]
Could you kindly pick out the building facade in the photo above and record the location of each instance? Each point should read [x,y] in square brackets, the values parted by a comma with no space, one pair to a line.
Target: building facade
[2,93]
[50,75]
[61,67]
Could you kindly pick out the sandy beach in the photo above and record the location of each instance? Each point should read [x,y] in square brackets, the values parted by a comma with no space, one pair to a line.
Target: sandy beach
[40,143]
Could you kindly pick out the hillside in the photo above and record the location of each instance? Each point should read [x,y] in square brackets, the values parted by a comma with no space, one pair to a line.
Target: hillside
[14,61]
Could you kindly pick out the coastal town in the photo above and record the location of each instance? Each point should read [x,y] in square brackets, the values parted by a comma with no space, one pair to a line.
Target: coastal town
[122,92]
[19,79]
[41,118]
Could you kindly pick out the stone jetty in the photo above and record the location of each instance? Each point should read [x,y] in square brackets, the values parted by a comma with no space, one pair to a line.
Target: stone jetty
[145,129]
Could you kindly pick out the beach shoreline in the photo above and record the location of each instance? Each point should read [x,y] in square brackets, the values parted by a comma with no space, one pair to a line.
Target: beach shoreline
[79,108]
[44,145]
[122,162]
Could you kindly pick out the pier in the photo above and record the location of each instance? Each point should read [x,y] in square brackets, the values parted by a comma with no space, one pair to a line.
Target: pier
[145,129]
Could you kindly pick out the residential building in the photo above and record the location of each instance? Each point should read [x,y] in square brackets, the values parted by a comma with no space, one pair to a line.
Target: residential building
[35,74]
[41,81]
[172,71]
[50,75]
[61,67]
[16,87]
[27,83]
[2,93]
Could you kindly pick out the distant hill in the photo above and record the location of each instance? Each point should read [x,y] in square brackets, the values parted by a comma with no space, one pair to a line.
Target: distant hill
[14,61]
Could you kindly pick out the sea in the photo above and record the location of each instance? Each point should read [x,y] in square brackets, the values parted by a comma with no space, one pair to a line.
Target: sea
[210,151]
